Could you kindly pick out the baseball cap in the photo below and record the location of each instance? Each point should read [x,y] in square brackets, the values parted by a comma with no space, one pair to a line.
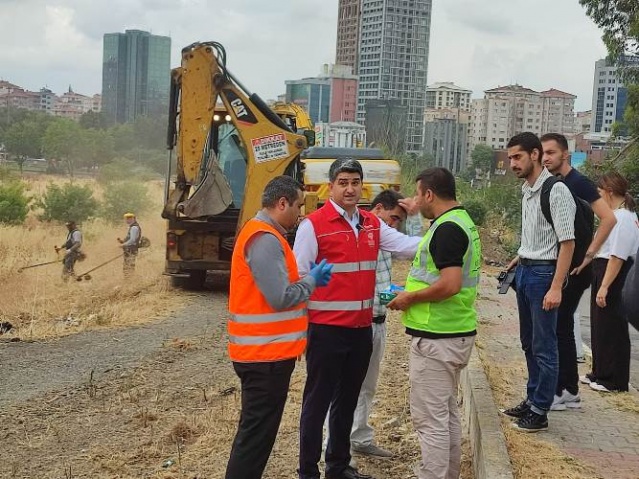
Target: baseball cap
[129,215]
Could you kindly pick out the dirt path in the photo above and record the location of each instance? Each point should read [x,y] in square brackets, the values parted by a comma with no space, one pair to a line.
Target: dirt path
[67,362]
[162,392]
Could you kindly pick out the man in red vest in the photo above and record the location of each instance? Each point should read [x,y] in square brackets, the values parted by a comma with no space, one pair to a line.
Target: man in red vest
[268,322]
[340,316]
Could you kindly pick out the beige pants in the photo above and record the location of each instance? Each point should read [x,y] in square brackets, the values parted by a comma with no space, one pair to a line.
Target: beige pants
[435,365]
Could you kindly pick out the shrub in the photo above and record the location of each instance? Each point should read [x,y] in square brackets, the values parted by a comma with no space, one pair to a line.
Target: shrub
[14,203]
[477,211]
[122,197]
[70,201]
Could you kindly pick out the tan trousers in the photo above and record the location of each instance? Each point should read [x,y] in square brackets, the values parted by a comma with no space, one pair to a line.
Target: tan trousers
[434,366]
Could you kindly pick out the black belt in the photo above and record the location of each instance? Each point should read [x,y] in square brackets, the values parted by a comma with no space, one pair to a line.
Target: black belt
[379,319]
[537,262]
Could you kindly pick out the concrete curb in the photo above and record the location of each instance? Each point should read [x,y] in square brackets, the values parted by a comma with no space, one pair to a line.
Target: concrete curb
[487,442]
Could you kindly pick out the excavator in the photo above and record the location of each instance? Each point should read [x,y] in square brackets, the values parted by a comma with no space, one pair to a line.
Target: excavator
[228,145]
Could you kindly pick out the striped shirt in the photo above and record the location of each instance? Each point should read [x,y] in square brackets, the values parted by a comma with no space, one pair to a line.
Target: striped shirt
[414,227]
[538,238]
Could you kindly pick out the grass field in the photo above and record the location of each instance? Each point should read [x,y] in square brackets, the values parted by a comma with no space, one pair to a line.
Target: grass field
[40,305]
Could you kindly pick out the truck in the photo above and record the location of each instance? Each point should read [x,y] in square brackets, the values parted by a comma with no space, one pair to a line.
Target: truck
[380,172]
[225,144]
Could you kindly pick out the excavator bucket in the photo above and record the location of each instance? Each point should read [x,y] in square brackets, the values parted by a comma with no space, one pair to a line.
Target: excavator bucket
[211,197]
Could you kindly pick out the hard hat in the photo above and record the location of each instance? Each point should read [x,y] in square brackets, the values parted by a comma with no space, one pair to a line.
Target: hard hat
[129,215]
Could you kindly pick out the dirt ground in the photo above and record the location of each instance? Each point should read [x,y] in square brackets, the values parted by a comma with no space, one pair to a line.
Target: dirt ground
[162,401]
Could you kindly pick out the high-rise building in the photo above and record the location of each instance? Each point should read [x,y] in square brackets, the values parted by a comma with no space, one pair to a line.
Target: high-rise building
[392,59]
[348,33]
[446,120]
[609,95]
[506,111]
[329,97]
[386,125]
[558,112]
[583,119]
[446,137]
[447,95]
[136,72]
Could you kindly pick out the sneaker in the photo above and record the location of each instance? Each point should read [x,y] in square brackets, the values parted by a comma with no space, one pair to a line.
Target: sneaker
[586,379]
[371,450]
[558,404]
[531,422]
[565,401]
[518,411]
[599,387]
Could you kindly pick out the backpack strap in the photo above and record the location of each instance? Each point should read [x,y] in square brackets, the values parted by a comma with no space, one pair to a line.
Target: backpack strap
[545,198]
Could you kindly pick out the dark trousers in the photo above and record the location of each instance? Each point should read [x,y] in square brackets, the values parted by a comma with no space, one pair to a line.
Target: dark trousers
[609,334]
[566,346]
[264,391]
[538,334]
[336,363]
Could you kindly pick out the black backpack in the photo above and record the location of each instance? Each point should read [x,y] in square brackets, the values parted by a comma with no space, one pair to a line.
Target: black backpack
[584,221]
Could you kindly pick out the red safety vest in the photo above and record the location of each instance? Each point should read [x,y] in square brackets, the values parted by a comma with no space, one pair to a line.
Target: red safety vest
[348,298]
[257,332]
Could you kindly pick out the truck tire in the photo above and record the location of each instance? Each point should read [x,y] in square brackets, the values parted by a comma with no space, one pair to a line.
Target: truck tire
[194,282]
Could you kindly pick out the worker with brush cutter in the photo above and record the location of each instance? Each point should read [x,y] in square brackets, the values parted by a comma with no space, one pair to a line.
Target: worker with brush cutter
[72,250]
[130,243]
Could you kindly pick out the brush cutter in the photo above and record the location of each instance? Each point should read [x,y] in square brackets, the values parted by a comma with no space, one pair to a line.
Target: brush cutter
[39,264]
[86,276]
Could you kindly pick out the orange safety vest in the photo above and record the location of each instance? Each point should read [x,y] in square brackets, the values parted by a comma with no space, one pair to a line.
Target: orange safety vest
[257,332]
[347,300]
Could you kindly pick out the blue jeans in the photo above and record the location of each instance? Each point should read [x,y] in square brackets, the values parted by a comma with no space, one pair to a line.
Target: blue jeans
[538,334]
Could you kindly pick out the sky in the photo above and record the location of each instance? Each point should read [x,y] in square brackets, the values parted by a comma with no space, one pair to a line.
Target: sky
[477,44]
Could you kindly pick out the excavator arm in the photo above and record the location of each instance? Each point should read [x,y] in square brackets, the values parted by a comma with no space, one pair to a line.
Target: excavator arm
[203,95]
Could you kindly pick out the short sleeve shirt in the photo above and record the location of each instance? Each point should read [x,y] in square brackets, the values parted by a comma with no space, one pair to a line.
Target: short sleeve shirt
[581,186]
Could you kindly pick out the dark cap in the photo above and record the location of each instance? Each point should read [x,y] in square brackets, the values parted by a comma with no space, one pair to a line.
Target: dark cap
[70,223]
[341,165]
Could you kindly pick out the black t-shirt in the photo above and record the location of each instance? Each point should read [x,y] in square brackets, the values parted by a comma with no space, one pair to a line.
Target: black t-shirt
[447,247]
[581,186]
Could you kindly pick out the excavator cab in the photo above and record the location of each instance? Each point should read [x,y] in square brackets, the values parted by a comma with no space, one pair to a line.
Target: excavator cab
[228,145]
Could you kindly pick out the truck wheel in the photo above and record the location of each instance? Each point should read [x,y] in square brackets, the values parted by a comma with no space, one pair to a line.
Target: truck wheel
[194,282]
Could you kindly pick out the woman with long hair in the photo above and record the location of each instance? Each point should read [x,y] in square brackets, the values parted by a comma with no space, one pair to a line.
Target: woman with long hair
[609,330]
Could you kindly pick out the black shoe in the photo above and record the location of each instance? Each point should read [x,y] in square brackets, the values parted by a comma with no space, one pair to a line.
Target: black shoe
[518,411]
[532,422]
[349,473]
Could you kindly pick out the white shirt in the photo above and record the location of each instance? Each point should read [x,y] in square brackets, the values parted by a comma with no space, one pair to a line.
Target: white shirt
[539,240]
[391,240]
[623,240]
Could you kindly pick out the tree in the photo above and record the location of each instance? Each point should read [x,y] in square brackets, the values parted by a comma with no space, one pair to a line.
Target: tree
[14,202]
[619,20]
[61,141]
[67,202]
[23,139]
[94,119]
[482,158]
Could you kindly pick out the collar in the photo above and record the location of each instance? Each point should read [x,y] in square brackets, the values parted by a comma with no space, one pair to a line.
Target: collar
[342,212]
[262,216]
[543,176]
[458,207]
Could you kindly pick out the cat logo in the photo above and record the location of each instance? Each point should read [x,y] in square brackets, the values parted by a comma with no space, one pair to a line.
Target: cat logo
[241,110]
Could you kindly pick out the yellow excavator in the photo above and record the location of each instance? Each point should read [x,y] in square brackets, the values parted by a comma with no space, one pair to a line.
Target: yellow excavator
[228,145]
[294,116]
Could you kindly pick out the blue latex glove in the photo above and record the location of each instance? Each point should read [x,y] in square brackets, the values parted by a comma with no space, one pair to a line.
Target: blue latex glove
[321,272]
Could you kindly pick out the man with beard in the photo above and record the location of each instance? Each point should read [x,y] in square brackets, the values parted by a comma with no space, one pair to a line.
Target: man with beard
[543,262]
